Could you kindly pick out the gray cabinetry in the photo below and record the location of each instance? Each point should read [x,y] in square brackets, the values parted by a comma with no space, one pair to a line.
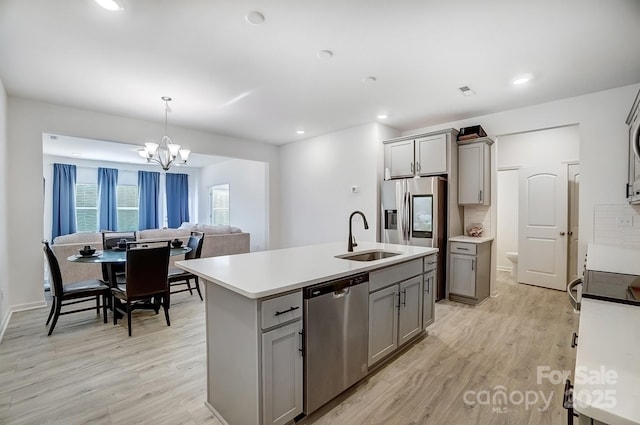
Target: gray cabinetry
[429,281]
[395,308]
[383,323]
[474,172]
[409,309]
[282,373]
[470,271]
[419,155]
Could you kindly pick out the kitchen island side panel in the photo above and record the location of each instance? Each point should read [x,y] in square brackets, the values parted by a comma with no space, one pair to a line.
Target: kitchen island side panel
[233,372]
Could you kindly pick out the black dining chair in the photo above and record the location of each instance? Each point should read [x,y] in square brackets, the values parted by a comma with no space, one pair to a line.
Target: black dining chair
[110,240]
[74,293]
[178,277]
[145,279]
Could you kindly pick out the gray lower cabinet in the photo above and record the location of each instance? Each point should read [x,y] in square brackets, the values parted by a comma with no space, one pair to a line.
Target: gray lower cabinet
[282,369]
[470,272]
[428,302]
[395,317]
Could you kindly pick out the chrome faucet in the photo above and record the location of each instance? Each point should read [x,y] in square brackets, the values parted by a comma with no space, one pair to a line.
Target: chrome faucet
[352,239]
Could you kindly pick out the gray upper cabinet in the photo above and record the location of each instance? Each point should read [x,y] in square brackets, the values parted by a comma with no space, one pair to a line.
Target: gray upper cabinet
[399,159]
[474,172]
[419,155]
[431,155]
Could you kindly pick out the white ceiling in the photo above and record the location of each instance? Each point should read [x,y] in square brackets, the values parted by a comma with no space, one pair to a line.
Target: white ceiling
[263,82]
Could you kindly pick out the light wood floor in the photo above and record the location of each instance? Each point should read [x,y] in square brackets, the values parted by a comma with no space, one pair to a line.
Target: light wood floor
[88,372]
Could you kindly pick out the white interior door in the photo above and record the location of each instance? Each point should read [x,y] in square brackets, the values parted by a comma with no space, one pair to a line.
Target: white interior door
[542,226]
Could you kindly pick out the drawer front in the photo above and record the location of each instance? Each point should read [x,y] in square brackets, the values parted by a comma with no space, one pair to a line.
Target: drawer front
[382,278]
[275,311]
[430,262]
[463,248]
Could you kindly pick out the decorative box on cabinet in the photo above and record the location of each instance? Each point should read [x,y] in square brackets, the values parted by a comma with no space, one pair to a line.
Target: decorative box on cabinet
[418,155]
[474,171]
[470,270]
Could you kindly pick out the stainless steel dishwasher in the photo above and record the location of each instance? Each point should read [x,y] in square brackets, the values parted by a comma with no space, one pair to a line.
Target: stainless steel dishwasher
[336,315]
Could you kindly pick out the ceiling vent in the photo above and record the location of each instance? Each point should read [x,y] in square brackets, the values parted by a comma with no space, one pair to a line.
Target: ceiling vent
[466,91]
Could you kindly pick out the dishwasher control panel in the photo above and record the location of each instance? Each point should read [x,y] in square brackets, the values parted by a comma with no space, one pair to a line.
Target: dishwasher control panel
[335,285]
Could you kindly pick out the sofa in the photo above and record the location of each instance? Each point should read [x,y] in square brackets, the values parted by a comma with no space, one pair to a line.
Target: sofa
[218,240]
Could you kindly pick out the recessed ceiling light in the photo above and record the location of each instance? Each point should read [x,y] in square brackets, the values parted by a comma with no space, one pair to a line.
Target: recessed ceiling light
[382,116]
[254,17]
[325,54]
[369,80]
[521,80]
[112,5]
[76,154]
[299,131]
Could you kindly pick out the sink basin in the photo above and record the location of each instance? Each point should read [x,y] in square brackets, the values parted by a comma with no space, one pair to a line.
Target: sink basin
[372,255]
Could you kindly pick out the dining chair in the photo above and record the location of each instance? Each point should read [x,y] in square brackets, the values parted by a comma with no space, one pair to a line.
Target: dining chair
[178,277]
[74,293]
[110,240]
[146,271]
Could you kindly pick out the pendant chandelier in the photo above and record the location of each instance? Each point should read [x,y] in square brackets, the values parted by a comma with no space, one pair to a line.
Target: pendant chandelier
[166,153]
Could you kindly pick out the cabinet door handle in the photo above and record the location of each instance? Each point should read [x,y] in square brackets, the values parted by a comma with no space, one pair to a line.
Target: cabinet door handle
[561,233]
[427,286]
[398,306]
[480,196]
[473,264]
[412,168]
[574,340]
[404,303]
[462,249]
[278,313]
[418,168]
[301,349]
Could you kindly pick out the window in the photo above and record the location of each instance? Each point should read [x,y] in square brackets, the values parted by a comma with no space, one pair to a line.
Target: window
[219,205]
[86,207]
[127,196]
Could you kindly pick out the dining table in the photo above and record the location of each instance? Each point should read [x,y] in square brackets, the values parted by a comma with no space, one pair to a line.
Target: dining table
[110,257]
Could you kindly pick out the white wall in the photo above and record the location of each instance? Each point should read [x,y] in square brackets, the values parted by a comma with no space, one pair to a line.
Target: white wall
[89,168]
[27,120]
[4,240]
[248,193]
[507,234]
[535,148]
[603,142]
[316,177]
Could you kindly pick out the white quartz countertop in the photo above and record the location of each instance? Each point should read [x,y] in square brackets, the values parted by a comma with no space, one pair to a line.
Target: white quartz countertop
[612,258]
[607,378]
[261,274]
[471,239]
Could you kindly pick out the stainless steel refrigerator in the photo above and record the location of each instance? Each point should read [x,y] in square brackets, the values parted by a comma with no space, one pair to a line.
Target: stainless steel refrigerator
[414,212]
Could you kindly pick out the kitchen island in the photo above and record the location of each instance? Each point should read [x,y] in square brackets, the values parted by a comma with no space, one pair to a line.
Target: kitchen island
[255,310]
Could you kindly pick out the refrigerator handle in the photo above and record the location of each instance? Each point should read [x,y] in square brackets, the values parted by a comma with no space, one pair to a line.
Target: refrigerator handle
[408,216]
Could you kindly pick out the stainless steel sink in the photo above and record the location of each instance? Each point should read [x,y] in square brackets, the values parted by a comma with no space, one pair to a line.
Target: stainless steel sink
[373,255]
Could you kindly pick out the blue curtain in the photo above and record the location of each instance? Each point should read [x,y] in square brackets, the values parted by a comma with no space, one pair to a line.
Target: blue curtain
[64,200]
[149,193]
[107,184]
[177,199]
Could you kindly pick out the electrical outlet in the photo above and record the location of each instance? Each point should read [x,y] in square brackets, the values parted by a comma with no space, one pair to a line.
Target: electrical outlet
[625,221]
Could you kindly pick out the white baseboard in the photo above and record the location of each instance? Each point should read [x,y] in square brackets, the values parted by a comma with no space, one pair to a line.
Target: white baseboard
[19,307]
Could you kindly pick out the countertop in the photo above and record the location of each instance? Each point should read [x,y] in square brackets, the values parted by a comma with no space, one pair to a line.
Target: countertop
[265,273]
[471,239]
[608,344]
[612,258]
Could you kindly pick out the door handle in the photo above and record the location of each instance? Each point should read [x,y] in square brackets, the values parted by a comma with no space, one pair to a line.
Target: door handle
[418,168]
[301,349]
[412,168]
[561,233]
[398,306]
[473,264]
[480,196]
[404,303]
[570,233]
